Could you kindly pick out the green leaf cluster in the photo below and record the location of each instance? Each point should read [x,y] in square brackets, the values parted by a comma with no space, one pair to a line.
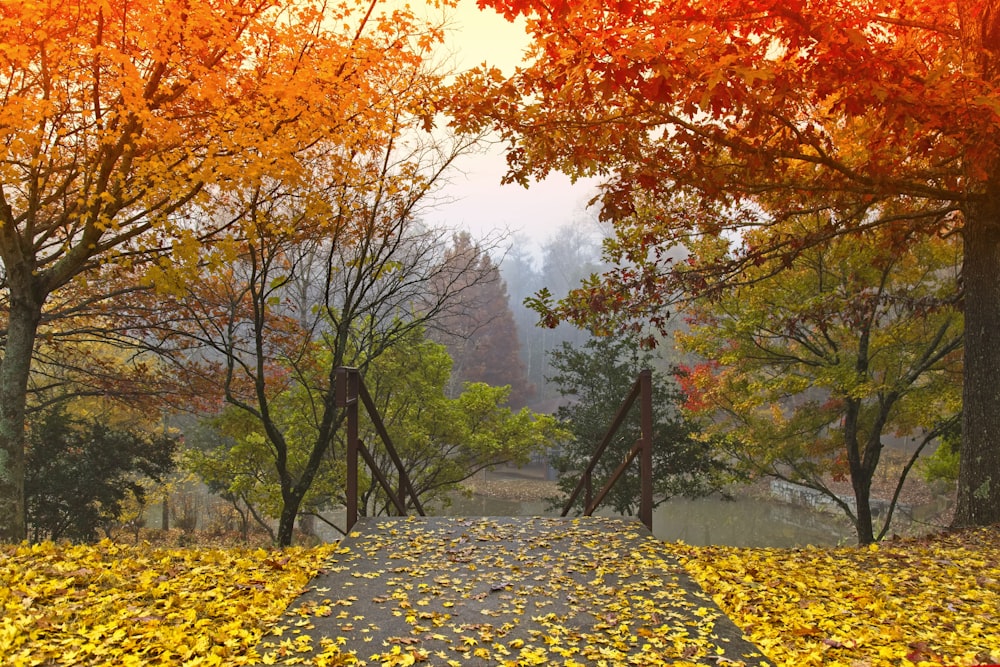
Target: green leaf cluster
[443,441]
[596,379]
[809,371]
[80,472]
[440,440]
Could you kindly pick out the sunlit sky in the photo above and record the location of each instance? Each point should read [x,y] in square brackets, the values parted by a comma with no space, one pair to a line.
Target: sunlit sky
[478,202]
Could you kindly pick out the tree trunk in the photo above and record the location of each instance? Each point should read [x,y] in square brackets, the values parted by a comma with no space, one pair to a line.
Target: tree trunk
[286,523]
[244,525]
[979,470]
[858,465]
[862,484]
[15,369]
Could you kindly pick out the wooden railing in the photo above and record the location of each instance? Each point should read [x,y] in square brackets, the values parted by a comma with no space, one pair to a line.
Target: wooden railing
[643,449]
[351,395]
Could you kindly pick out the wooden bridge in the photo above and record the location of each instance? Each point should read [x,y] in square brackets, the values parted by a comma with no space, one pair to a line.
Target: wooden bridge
[416,590]
[505,591]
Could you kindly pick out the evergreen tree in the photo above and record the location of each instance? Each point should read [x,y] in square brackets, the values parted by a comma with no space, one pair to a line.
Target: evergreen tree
[596,378]
[79,473]
[480,333]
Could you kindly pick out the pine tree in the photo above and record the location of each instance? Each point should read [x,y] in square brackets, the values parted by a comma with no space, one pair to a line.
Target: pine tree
[480,333]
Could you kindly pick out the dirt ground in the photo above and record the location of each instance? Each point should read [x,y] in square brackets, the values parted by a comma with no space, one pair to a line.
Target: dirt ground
[512,489]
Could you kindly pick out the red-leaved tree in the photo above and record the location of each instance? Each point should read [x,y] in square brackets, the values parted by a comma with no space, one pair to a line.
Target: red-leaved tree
[711,117]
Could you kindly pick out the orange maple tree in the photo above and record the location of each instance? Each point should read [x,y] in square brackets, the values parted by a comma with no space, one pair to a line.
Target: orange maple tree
[125,129]
[707,117]
[333,269]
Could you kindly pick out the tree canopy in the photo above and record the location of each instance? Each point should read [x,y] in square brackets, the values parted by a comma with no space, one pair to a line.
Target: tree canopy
[808,373]
[441,440]
[331,270]
[141,131]
[709,118]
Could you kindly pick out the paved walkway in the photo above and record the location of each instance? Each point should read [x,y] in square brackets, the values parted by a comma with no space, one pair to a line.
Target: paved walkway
[505,591]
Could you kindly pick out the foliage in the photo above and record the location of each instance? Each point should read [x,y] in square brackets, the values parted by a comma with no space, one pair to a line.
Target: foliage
[443,440]
[80,472]
[84,357]
[481,334]
[709,119]
[242,448]
[328,269]
[808,370]
[929,601]
[111,605]
[440,440]
[596,379]
[135,134]
[240,466]
[943,463]
[230,455]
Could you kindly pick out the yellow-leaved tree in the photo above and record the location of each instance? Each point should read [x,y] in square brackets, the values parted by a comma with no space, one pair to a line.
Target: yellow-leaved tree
[124,126]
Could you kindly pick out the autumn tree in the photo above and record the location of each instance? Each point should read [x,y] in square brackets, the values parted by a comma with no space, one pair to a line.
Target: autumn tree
[481,335]
[330,270]
[441,440]
[95,411]
[124,121]
[595,379]
[732,115]
[253,336]
[809,370]
[87,354]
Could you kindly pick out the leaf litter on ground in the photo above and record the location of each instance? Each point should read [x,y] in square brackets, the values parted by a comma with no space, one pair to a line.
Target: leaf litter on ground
[114,604]
[919,602]
[913,602]
[512,591]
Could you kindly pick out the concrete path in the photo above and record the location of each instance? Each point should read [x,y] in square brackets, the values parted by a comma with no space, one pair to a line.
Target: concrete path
[505,591]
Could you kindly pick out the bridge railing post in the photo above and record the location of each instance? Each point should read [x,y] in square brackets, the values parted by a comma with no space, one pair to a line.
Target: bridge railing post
[646,460]
[347,397]
[350,395]
[642,390]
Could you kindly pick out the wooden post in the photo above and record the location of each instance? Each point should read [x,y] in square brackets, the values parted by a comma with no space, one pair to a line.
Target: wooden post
[646,457]
[347,398]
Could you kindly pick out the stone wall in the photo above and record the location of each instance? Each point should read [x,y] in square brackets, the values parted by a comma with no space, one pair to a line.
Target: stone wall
[803,496]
